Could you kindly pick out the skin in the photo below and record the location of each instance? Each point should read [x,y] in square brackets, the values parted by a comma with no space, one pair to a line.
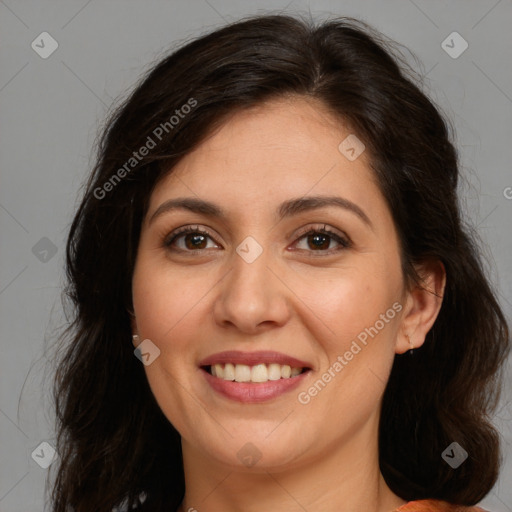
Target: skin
[294,298]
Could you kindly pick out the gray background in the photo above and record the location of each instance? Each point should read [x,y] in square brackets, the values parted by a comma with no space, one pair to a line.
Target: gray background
[51,110]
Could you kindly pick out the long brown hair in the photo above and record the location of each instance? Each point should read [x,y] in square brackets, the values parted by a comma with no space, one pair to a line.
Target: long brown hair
[116,447]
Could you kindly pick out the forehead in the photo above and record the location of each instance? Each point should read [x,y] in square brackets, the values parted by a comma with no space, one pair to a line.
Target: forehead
[264,155]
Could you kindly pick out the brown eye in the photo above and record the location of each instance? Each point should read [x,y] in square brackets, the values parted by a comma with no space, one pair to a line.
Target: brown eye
[318,241]
[195,241]
[322,240]
[189,239]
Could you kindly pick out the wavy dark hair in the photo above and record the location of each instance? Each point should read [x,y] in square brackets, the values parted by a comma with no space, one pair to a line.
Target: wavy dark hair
[116,447]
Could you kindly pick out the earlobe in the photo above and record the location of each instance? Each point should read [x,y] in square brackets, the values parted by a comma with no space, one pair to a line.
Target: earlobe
[422,307]
[411,349]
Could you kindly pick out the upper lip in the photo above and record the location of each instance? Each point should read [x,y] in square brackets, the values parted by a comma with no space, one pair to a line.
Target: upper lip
[253,358]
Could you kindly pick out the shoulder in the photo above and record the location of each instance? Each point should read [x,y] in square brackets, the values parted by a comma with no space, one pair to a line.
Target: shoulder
[436,506]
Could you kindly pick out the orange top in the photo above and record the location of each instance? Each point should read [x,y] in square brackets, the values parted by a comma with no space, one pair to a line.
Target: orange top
[435,506]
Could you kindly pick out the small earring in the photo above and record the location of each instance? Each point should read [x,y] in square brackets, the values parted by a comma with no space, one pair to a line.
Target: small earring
[411,350]
[135,339]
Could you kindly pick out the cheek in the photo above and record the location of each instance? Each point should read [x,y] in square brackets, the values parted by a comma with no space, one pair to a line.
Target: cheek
[167,307]
[349,303]
[359,320]
[164,299]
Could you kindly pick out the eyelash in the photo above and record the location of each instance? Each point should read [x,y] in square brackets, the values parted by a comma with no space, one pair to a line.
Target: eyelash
[344,242]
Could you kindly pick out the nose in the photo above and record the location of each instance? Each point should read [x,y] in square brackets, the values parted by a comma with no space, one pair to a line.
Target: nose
[251,298]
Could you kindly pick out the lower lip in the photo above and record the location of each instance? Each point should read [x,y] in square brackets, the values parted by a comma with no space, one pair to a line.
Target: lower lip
[253,392]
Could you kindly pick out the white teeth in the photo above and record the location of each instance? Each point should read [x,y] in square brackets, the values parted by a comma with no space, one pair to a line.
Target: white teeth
[219,371]
[286,371]
[229,372]
[242,373]
[274,371]
[257,373]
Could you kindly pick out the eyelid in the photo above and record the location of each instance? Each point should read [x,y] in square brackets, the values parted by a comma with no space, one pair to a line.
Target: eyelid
[322,228]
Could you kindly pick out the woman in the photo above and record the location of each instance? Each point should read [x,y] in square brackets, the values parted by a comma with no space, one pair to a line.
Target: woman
[272,228]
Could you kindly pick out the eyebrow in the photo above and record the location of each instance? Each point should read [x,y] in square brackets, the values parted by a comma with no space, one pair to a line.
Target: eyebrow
[287,209]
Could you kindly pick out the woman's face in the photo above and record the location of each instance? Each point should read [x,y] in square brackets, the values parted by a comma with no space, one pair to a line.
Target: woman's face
[290,260]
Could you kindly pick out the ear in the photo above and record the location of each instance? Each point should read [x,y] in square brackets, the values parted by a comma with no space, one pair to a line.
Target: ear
[422,305]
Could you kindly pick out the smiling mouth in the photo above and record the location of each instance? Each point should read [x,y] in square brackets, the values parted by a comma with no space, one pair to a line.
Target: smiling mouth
[258,373]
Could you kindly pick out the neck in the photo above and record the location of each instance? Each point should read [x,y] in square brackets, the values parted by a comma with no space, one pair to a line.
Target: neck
[342,477]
